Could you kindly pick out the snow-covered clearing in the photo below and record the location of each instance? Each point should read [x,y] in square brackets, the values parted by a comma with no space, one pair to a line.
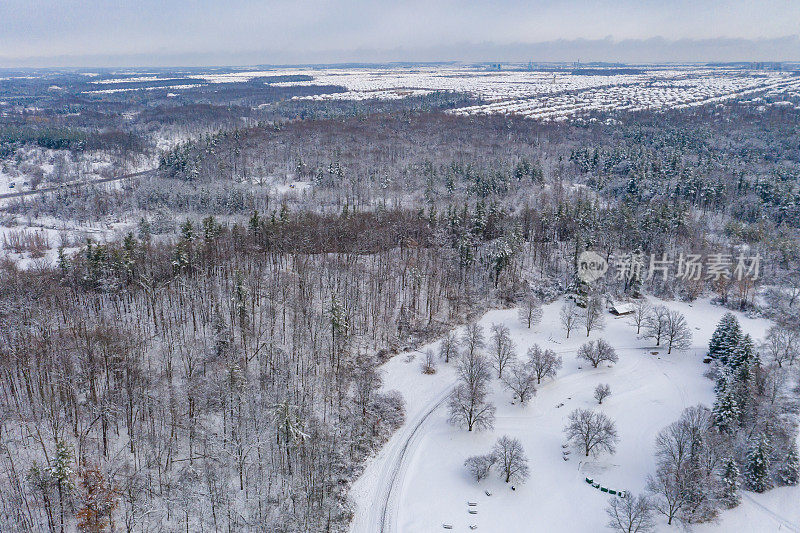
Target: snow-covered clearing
[32,242]
[418,482]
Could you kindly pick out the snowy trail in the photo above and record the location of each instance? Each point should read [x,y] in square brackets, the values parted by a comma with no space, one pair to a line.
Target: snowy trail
[386,470]
[78,183]
[772,514]
[389,501]
[384,509]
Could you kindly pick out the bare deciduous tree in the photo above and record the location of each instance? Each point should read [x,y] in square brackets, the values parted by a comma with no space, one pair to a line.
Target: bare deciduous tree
[591,431]
[448,348]
[428,365]
[503,349]
[570,315]
[677,331]
[596,352]
[473,339]
[641,312]
[781,344]
[530,312]
[601,392]
[511,460]
[520,380]
[479,466]
[545,363]
[655,325]
[593,316]
[468,406]
[632,514]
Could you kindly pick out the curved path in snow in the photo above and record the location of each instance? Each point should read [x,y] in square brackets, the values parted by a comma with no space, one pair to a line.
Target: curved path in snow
[772,514]
[381,514]
[52,188]
[395,466]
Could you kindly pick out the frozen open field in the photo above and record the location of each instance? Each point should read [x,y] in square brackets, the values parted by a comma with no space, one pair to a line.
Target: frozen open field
[418,482]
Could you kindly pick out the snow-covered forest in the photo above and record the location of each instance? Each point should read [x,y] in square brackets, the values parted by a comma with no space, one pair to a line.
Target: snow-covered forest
[327,310]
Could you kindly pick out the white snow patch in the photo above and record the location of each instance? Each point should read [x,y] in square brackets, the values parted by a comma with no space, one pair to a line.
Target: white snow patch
[648,392]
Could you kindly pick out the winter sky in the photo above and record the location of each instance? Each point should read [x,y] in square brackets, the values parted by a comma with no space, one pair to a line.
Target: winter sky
[62,32]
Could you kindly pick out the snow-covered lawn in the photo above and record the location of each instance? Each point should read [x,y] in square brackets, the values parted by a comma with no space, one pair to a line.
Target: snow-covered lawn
[421,469]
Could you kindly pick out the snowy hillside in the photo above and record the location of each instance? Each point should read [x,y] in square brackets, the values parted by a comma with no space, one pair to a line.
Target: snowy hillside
[418,482]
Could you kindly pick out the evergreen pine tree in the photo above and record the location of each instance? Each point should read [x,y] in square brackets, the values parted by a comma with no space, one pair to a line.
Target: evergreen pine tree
[210,229]
[726,407]
[757,468]
[187,231]
[145,229]
[790,473]
[742,357]
[254,223]
[63,262]
[725,338]
[632,190]
[730,484]
[63,476]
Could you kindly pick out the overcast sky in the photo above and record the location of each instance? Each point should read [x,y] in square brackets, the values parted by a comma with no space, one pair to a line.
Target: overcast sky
[36,32]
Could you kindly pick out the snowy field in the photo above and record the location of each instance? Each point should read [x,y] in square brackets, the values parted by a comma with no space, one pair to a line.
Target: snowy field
[418,481]
[553,95]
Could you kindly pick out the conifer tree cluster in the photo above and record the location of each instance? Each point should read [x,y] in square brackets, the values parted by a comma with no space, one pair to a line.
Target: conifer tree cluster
[737,363]
[745,414]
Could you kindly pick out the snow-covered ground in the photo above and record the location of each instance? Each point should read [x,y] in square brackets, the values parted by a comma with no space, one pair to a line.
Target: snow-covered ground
[418,482]
[546,95]
[51,234]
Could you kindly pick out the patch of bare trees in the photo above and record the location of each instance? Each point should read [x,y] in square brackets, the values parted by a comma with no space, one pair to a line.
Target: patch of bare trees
[507,457]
